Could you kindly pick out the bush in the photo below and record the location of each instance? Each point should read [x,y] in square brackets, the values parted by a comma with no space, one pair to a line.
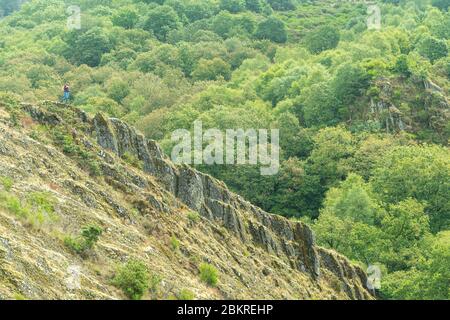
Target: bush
[6,182]
[208,274]
[86,241]
[66,142]
[193,216]
[132,279]
[131,159]
[174,243]
[12,204]
[155,281]
[38,208]
[84,158]
[186,294]
[42,202]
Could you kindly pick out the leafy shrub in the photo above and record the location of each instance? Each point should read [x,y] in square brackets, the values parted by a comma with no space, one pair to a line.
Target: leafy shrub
[88,238]
[9,100]
[131,159]
[133,279]
[186,294]
[19,296]
[155,281]
[6,182]
[66,142]
[42,201]
[193,216]
[38,207]
[12,204]
[84,158]
[174,243]
[208,274]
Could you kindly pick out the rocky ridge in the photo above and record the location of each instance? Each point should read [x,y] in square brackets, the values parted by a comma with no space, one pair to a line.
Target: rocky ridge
[259,255]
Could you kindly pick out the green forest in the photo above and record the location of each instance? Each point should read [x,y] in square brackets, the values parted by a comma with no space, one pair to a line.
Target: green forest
[363,113]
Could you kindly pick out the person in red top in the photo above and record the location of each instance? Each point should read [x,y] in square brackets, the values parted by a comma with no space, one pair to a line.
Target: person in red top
[66,96]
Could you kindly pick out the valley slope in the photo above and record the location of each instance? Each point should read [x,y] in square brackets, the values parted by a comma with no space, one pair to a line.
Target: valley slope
[102,171]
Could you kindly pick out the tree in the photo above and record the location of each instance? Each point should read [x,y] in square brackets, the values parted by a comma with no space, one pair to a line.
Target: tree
[419,172]
[321,39]
[133,278]
[356,240]
[126,18]
[233,6]
[354,222]
[161,20]
[353,199]
[332,231]
[432,48]
[291,140]
[196,10]
[405,225]
[319,105]
[326,166]
[211,70]
[441,4]
[429,279]
[254,5]
[349,83]
[272,29]
[401,65]
[8,6]
[406,222]
[89,47]
[118,89]
[281,5]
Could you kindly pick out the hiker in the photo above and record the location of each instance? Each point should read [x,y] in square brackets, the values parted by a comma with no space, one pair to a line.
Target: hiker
[66,96]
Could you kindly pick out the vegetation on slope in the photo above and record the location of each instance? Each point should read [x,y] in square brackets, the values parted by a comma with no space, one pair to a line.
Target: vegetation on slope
[123,233]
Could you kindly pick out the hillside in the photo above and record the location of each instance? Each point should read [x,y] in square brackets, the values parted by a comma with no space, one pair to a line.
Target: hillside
[79,169]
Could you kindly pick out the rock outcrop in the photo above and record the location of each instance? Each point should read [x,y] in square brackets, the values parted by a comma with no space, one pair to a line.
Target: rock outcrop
[211,198]
[259,255]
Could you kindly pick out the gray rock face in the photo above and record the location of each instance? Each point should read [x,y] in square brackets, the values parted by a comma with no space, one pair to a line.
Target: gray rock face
[190,188]
[116,136]
[200,192]
[105,133]
[349,275]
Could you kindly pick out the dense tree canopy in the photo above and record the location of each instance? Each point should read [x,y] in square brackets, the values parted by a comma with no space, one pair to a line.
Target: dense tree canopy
[321,39]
